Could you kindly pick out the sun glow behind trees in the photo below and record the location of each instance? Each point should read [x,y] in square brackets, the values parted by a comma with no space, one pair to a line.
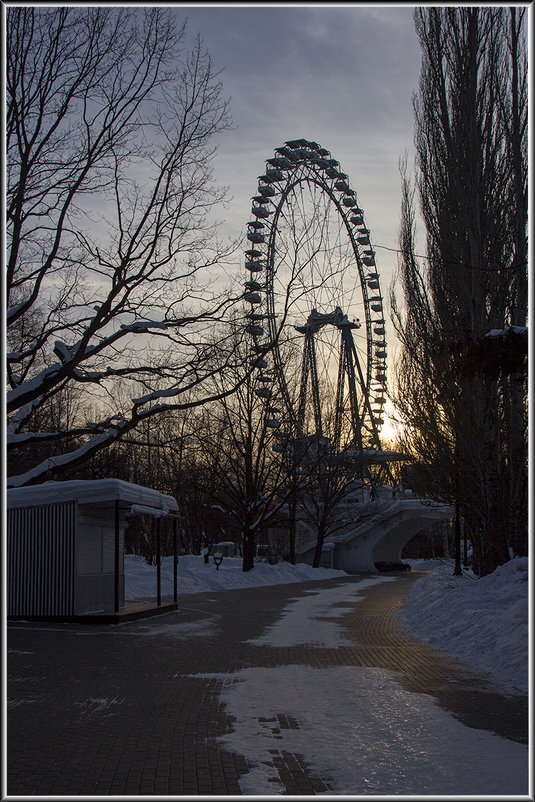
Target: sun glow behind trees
[392,427]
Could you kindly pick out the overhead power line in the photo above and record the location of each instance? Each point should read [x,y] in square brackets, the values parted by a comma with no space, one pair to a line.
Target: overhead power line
[514,266]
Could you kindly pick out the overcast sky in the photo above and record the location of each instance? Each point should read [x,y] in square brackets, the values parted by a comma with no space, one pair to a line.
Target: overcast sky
[343,76]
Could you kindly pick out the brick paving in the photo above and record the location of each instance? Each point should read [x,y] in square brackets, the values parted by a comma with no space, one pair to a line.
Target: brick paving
[113,710]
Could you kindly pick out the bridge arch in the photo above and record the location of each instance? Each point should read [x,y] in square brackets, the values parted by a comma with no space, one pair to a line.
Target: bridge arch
[382,536]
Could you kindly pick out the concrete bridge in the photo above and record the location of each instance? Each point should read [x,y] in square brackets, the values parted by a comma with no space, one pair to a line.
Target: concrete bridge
[375,532]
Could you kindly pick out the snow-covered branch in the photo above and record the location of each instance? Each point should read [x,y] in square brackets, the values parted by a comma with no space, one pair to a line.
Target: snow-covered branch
[114,271]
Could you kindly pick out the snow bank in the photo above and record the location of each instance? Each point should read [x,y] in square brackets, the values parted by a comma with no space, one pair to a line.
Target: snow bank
[195,576]
[481,621]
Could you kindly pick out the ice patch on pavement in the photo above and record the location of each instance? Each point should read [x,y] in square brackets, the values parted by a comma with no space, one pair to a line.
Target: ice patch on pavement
[186,630]
[301,621]
[363,733]
[91,705]
[16,702]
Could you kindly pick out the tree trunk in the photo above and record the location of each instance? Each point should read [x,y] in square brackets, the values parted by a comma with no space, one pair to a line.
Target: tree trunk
[457,571]
[292,529]
[248,552]
[319,544]
[445,542]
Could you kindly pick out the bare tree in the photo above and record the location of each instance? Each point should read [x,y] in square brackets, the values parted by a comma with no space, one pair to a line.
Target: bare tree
[471,190]
[239,443]
[111,261]
[326,486]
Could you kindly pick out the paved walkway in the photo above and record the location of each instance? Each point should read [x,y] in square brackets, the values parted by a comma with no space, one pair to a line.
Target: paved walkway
[113,710]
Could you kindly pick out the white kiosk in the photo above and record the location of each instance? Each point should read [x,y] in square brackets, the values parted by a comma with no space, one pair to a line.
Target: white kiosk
[65,545]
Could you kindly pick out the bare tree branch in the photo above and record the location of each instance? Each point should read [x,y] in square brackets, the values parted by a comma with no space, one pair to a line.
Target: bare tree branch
[114,271]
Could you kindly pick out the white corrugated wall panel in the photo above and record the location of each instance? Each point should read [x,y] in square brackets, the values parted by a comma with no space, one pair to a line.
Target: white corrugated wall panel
[40,560]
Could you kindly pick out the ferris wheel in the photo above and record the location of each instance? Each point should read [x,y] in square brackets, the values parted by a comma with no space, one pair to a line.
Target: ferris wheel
[315,316]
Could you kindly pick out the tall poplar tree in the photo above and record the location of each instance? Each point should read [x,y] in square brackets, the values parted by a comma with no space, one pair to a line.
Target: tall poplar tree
[461,393]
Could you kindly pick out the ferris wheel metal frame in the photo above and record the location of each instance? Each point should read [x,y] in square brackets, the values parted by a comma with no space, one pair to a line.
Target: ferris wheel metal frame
[298,162]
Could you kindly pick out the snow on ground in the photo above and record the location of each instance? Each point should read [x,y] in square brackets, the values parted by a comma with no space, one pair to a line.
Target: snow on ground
[481,621]
[360,728]
[357,726]
[194,576]
[318,605]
